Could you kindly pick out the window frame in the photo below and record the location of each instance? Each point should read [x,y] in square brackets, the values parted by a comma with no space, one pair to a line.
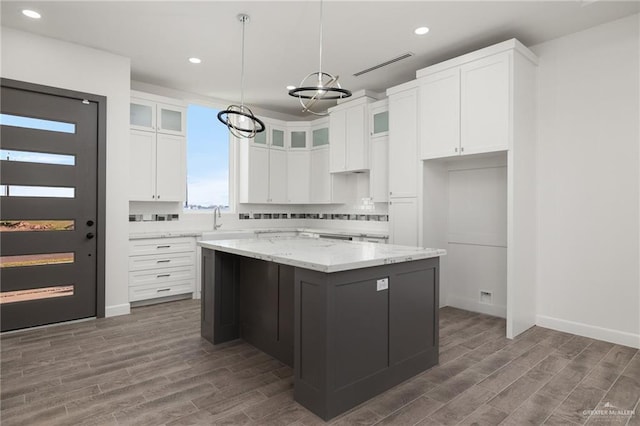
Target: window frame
[233,158]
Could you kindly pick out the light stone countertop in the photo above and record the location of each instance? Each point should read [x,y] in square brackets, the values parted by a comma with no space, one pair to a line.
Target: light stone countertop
[321,254]
[174,234]
[160,234]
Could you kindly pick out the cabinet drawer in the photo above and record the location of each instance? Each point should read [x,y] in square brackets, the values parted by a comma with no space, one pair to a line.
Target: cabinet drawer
[152,291]
[161,246]
[171,260]
[162,275]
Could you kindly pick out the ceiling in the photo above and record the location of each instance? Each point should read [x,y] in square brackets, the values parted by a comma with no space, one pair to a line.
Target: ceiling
[282,38]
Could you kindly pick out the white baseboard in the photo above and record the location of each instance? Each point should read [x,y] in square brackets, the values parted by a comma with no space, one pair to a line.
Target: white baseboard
[475,306]
[592,331]
[115,310]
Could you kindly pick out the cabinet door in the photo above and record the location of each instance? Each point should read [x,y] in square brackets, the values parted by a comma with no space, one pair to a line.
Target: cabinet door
[171,177]
[171,119]
[277,176]
[379,120]
[277,137]
[298,176]
[403,140]
[485,105]
[298,139]
[142,170]
[320,177]
[440,115]
[356,138]
[142,115]
[403,221]
[258,184]
[379,174]
[319,136]
[337,150]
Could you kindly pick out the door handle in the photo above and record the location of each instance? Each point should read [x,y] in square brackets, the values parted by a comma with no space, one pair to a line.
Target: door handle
[90,235]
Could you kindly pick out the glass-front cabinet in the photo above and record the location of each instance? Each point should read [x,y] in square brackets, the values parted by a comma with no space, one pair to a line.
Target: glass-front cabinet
[379,118]
[150,116]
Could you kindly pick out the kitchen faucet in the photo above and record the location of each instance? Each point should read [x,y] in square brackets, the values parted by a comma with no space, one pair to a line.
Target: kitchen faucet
[215,218]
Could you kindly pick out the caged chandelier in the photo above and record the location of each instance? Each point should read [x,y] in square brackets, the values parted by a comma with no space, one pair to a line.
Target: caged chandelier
[322,86]
[239,118]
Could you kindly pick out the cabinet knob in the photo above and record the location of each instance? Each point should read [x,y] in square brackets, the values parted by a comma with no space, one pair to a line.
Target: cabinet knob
[456,149]
[158,197]
[462,149]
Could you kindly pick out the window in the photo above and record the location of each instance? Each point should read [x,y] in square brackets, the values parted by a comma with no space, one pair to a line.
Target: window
[207,160]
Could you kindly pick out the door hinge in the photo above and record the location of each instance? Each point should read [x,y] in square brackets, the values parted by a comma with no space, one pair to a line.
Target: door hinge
[86,102]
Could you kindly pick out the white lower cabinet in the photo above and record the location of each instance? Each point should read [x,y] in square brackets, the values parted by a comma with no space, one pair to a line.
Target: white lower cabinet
[403,221]
[161,267]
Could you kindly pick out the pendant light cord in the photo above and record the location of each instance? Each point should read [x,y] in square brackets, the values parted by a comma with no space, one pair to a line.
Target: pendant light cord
[244,20]
[320,67]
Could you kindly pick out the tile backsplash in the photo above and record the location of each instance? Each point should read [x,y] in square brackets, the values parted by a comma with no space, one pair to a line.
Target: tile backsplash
[325,216]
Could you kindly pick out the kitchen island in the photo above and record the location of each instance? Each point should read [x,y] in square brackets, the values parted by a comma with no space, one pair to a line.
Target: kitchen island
[353,319]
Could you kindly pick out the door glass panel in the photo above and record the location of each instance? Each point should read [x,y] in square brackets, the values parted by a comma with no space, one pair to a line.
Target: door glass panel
[37,157]
[37,191]
[36,225]
[170,120]
[21,260]
[298,139]
[277,138]
[321,137]
[141,115]
[381,122]
[35,294]
[36,123]
[260,138]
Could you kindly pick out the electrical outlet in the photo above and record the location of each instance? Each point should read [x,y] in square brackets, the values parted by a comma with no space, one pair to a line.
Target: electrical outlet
[383,284]
[485,297]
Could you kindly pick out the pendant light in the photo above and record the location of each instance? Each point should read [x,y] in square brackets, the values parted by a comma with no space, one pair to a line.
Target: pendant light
[239,118]
[318,86]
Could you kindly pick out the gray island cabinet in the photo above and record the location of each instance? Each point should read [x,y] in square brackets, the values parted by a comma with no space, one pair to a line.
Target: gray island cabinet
[353,319]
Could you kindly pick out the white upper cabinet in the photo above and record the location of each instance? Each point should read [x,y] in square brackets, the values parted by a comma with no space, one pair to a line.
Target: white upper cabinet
[298,176]
[379,119]
[485,103]
[263,166]
[158,150]
[465,105]
[440,114]
[349,136]
[379,173]
[403,143]
[153,116]
[171,168]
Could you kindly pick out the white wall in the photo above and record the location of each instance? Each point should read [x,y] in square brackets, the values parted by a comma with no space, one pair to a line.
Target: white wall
[50,62]
[589,183]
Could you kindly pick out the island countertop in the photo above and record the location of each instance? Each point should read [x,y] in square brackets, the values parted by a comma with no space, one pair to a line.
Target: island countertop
[320,254]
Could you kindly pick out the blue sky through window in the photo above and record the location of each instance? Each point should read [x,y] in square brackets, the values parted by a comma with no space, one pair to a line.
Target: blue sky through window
[207,158]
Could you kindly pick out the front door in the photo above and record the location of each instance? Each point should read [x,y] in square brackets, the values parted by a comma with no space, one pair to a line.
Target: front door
[49,194]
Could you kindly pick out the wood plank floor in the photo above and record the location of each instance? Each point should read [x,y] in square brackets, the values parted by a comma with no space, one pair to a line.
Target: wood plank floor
[152,368]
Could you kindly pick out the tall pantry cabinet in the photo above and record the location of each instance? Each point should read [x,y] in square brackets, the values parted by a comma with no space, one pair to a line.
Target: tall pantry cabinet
[403,165]
[478,178]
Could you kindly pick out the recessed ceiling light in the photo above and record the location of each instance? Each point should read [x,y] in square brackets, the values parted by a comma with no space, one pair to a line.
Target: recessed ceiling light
[291,87]
[421,30]
[31,14]
[195,60]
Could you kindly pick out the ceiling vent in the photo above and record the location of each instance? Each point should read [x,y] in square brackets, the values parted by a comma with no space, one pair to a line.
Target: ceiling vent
[384,64]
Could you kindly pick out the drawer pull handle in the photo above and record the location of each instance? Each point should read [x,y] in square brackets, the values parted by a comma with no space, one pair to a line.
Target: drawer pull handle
[163,289]
[163,275]
[163,246]
[164,261]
